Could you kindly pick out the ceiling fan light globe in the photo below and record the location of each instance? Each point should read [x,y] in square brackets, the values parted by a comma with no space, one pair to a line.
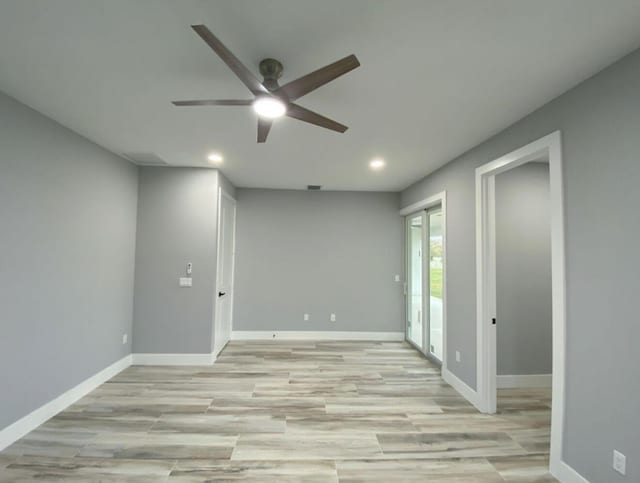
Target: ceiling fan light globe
[269,107]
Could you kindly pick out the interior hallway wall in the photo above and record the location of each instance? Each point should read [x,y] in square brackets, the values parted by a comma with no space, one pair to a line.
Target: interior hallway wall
[599,121]
[67,246]
[523,270]
[318,253]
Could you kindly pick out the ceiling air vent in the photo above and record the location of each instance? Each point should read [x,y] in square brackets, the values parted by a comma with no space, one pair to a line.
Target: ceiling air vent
[145,159]
[314,187]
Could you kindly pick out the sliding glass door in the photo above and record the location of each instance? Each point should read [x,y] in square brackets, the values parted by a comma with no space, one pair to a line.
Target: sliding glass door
[415,275]
[435,267]
[425,287]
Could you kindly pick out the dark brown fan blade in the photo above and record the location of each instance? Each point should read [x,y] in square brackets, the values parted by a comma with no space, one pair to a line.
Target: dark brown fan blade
[238,68]
[299,87]
[214,102]
[264,125]
[300,113]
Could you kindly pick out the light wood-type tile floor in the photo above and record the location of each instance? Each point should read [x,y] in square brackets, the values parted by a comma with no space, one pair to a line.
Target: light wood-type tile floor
[289,411]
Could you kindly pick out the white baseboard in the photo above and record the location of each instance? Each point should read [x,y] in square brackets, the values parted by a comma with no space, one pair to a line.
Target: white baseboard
[31,421]
[529,380]
[314,335]
[566,474]
[460,386]
[142,359]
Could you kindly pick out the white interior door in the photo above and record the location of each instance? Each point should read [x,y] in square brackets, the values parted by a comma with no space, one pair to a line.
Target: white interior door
[225,268]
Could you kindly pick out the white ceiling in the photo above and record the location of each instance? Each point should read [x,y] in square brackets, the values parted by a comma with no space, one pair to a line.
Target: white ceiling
[437,77]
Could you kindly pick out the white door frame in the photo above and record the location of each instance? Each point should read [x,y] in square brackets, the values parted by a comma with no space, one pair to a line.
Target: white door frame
[217,347]
[550,146]
[439,199]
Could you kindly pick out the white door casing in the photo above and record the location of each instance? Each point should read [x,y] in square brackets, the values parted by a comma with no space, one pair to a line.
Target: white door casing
[549,146]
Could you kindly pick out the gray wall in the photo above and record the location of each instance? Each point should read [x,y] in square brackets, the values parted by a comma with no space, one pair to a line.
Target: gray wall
[317,253]
[177,224]
[523,270]
[67,238]
[600,121]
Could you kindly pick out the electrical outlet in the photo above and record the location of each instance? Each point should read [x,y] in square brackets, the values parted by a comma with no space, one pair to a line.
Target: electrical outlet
[333,317]
[124,338]
[457,356]
[619,462]
[306,316]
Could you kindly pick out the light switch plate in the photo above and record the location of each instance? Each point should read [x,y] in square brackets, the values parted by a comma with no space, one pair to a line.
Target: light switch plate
[397,278]
[457,356]
[306,316]
[333,317]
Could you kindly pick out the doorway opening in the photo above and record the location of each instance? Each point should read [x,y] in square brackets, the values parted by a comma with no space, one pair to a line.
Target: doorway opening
[488,316]
[425,277]
[523,300]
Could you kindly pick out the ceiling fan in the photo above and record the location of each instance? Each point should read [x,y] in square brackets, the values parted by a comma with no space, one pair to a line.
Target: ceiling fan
[270,99]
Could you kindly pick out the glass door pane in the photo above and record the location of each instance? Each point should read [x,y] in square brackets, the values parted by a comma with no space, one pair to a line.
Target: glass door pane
[435,260]
[414,279]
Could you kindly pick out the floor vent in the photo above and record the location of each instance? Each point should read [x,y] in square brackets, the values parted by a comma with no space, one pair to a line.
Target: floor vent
[314,187]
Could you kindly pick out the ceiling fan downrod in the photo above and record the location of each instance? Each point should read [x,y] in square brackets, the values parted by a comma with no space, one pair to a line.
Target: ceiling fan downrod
[271,70]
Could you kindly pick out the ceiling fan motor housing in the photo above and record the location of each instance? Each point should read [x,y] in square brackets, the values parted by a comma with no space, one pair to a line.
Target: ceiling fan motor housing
[271,70]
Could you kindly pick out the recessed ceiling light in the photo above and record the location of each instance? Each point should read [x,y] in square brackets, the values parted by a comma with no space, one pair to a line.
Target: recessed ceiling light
[269,107]
[377,164]
[215,158]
